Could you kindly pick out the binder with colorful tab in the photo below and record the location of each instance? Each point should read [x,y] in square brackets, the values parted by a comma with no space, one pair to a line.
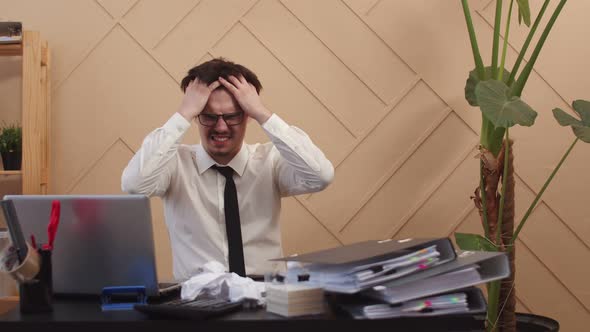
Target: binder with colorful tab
[355,267]
[470,268]
[465,301]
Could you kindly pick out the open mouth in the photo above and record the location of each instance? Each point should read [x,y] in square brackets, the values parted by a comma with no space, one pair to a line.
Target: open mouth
[220,139]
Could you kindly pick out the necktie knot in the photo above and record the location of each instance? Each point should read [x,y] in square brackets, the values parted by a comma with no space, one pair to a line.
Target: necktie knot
[226,171]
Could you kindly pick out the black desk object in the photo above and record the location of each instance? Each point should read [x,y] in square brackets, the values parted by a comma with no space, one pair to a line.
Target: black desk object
[195,309]
[84,315]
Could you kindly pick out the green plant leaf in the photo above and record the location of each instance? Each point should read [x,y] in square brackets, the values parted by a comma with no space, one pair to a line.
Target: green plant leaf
[473,80]
[565,119]
[581,128]
[502,109]
[582,107]
[10,138]
[470,85]
[583,133]
[474,242]
[524,12]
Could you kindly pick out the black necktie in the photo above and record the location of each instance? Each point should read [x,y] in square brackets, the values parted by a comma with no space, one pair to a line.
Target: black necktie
[232,222]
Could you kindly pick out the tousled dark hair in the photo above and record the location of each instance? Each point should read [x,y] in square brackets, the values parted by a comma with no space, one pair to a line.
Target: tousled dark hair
[208,72]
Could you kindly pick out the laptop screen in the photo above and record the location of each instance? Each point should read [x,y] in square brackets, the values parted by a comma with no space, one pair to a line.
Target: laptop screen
[101,241]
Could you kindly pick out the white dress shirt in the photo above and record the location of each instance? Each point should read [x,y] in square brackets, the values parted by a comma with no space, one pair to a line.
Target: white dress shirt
[193,193]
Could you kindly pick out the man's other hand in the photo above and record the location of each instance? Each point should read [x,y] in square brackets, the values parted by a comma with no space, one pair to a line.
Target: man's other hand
[246,95]
[195,98]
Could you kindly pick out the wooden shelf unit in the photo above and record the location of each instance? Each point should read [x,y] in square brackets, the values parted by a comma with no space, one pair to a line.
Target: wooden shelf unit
[36,111]
[11,49]
[11,172]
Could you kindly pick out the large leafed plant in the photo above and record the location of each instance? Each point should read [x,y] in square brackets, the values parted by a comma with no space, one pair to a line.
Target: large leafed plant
[496,91]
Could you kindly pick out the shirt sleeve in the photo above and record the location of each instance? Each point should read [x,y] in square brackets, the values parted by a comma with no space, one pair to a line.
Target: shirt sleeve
[148,172]
[301,167]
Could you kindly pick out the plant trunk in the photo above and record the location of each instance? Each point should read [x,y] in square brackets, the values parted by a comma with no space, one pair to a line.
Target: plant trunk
[491,177]
[492,173]
[507,300]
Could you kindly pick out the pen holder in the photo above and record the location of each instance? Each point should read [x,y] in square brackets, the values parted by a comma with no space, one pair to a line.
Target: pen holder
[33,275]
[36,294]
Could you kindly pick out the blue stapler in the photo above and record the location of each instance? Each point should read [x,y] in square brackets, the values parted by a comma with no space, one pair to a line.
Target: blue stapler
[108,303]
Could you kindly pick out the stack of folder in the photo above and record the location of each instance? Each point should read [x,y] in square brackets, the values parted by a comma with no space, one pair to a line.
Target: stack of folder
[404,278]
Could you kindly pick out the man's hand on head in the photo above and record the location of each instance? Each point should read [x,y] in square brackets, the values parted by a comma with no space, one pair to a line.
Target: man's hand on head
[247,96]
[195,98]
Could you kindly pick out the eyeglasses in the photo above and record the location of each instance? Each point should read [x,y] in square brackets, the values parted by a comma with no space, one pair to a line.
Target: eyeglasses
[231,119]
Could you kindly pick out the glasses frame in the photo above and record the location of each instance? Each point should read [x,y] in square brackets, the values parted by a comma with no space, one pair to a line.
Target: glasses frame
[223,116]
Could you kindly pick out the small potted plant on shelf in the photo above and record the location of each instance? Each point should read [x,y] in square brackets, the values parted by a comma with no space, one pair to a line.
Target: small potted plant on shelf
[11,146]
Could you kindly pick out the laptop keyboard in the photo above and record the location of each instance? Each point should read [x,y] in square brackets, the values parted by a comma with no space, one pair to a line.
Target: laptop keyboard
[200,308]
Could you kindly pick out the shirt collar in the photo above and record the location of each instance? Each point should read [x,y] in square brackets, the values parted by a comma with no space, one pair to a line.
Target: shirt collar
[204,160]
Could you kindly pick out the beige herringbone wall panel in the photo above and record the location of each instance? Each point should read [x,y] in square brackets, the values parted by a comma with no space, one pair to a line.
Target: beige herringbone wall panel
[377,84]
[10,105]
[11,89]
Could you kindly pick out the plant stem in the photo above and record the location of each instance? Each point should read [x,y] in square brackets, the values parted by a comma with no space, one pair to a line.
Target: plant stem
[534,203]
[525,46]
[496,42]
[505,46]
[491,137]
[486,129]
[496,140]
[484,203]
[485,123]
[504,177]
[474,48]
[524,76]
[493,302]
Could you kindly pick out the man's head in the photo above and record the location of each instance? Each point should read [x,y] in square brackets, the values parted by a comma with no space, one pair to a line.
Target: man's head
[222,123]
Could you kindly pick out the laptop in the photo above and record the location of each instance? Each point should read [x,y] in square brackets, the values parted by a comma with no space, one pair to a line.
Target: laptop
[102,241]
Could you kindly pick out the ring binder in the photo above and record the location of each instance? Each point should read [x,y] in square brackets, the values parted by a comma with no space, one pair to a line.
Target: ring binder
[355,267]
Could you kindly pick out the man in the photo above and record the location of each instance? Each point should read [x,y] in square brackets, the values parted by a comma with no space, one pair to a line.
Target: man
[199,183]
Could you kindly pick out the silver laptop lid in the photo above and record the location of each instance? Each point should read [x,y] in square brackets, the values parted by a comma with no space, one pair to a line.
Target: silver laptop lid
[101,240]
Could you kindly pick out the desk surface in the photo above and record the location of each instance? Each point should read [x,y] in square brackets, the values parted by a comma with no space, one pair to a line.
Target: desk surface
[86,316]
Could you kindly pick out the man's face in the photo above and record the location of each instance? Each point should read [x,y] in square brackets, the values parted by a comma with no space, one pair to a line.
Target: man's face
[222,141]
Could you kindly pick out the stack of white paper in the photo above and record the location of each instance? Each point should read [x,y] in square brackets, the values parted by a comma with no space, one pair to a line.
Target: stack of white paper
[296,299]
